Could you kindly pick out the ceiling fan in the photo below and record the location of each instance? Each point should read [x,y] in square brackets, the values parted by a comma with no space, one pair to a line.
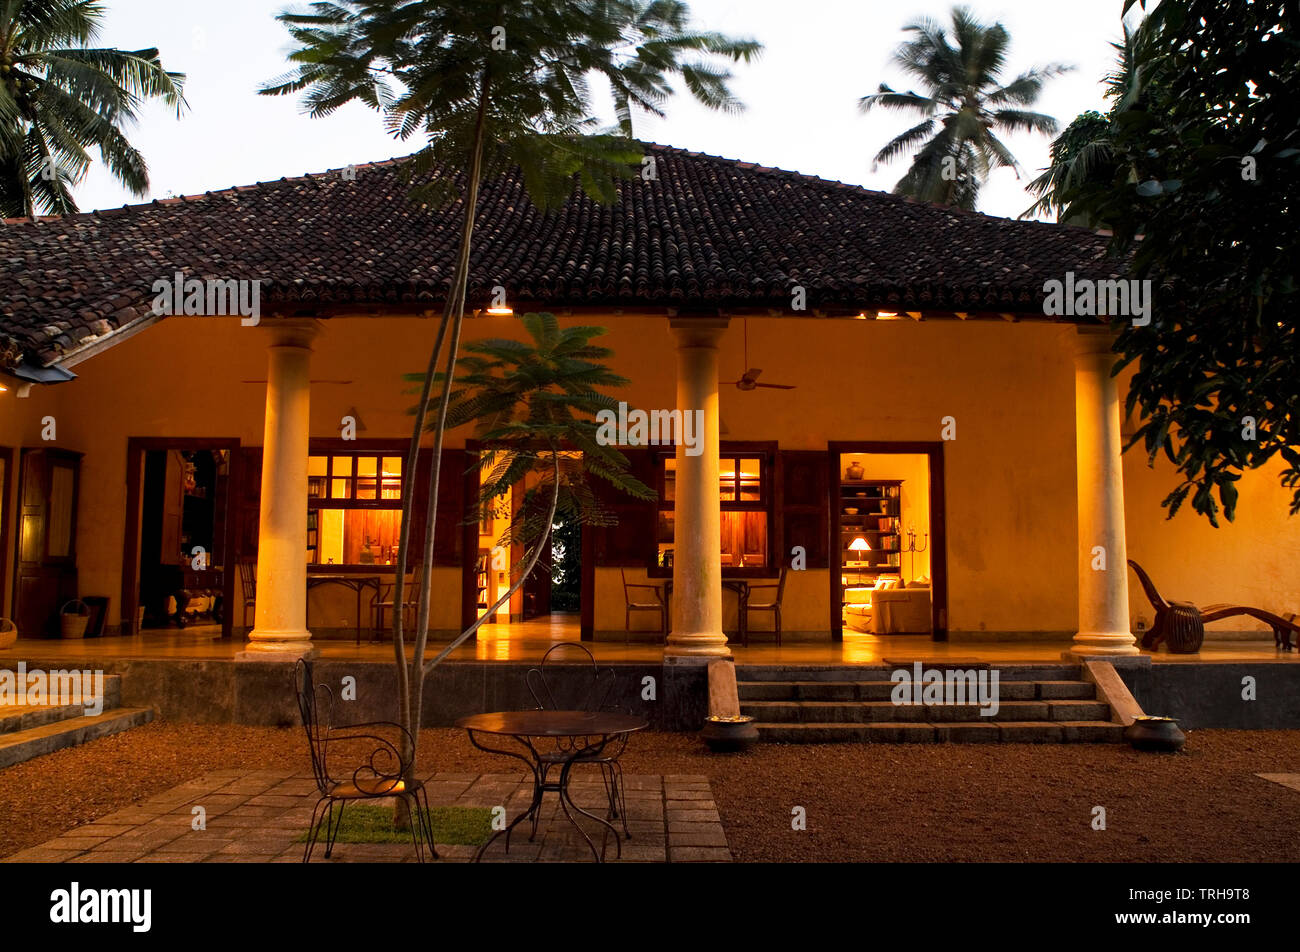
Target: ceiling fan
[749,379]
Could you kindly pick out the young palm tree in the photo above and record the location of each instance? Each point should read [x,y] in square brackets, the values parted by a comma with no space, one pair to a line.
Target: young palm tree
[965,106]
[59,98]
[493,85]
[533,406]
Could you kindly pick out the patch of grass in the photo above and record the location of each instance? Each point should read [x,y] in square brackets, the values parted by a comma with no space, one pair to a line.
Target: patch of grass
[452,826]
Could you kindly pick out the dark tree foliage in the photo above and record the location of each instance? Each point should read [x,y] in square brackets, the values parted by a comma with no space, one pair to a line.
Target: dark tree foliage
[1204,195]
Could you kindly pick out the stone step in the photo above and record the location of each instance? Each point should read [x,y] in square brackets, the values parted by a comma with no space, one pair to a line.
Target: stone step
[21,717]
[883,690]
[35,741]
[1004,732]
[875,712]
[1027,671]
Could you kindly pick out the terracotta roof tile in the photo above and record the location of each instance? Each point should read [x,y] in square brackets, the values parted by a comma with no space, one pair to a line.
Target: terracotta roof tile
[709,232]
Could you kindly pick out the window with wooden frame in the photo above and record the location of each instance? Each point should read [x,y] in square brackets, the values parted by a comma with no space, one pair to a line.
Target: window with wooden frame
[745,499]
[354,507]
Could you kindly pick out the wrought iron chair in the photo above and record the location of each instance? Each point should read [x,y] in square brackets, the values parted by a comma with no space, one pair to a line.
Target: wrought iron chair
[774,606]
[658,605]
[587,695]
[248,580]
[374,775]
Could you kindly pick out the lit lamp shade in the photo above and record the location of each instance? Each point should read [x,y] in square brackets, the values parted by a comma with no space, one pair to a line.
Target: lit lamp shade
[859,545]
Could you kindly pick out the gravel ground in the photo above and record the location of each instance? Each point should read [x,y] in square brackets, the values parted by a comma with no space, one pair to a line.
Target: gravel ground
[881,803]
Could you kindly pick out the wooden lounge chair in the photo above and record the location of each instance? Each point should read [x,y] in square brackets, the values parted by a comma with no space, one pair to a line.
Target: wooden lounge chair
[1182,624]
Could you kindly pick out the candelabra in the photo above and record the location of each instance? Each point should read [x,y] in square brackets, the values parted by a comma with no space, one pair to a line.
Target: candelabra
[910,547]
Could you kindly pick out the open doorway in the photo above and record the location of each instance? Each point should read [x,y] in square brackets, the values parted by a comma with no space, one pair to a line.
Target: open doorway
[180,573]
[554,600]
[888,574]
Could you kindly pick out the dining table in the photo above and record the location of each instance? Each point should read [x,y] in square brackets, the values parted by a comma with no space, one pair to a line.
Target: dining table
[357,582]
[545,740]
[738,585]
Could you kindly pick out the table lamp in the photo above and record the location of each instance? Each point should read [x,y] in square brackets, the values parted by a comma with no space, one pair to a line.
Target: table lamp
[859,545]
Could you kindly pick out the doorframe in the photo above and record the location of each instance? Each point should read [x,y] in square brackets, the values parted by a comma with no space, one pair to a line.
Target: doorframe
[136,447]
[469,559]
[938,526]
[6,535]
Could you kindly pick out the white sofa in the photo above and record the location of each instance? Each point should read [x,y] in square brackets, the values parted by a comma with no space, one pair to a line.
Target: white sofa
[902,610]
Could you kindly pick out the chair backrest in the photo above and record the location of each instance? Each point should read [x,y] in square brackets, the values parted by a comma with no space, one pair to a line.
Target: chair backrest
[1148,586]
[248,577]
[589,690]
[316,705]
[780,585]
[627,595]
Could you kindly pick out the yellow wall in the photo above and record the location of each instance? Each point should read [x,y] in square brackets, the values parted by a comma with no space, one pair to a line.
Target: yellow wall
[1010,473]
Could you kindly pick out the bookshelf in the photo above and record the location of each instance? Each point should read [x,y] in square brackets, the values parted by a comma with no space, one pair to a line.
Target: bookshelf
[869,509]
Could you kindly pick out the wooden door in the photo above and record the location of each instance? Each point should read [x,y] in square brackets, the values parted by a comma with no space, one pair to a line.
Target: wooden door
[47,548]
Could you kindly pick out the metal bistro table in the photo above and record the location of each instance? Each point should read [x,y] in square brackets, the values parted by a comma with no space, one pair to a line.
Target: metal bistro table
[547,739]
[355,582]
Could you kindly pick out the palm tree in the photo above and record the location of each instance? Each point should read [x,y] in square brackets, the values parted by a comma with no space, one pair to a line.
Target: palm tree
[1083,154]
[60,97]
[532,406]
[965,106]
[493,85]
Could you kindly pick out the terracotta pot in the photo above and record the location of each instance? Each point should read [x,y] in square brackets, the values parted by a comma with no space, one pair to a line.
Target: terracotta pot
[729,735]
[1159,734]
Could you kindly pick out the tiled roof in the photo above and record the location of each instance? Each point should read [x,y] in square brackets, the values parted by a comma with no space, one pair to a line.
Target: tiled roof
[706,232]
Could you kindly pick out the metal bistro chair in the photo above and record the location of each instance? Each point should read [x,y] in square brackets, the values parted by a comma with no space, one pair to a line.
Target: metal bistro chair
[384,602]
[658,605]
[248,580]
[374,775]
[774,606]
[591,694]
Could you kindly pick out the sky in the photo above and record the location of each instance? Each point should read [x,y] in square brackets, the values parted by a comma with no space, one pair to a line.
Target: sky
[801,95]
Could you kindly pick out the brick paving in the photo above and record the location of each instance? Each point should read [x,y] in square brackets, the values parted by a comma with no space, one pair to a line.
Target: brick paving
[254,816]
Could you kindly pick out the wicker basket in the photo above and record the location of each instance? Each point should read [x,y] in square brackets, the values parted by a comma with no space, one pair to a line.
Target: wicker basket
[8,633]
[74,621]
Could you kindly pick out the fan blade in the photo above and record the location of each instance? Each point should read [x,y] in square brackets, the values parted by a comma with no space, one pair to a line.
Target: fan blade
[776,386]
[753,373]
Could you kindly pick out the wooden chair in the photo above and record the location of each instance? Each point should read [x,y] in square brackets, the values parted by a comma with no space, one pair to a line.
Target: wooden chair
[248,582]
[372,767]
[384,603]
[580,693]
[1182,624]
[773,606]
[658,605]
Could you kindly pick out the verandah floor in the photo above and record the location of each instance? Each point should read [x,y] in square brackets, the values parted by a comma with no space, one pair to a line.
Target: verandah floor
[528,641]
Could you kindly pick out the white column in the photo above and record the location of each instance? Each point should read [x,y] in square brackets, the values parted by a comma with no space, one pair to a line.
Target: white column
[697,633]
[1103,555]
[280,626]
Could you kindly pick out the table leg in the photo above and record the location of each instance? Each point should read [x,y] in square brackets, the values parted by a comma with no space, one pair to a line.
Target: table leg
[566,801]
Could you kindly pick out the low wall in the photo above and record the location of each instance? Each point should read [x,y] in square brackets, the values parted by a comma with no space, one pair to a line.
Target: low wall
[1216,695]
[674,698]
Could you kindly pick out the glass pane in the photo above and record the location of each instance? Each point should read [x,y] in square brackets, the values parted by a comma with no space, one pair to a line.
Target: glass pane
[316,465]
[367,465]
[342,466]
[751,472]
[61,483]
[727,479]
[366,487]
[670,479]
[341,489]
[392,466]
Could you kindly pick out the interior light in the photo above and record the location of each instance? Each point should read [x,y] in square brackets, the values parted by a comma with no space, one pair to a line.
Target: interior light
[501,311]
